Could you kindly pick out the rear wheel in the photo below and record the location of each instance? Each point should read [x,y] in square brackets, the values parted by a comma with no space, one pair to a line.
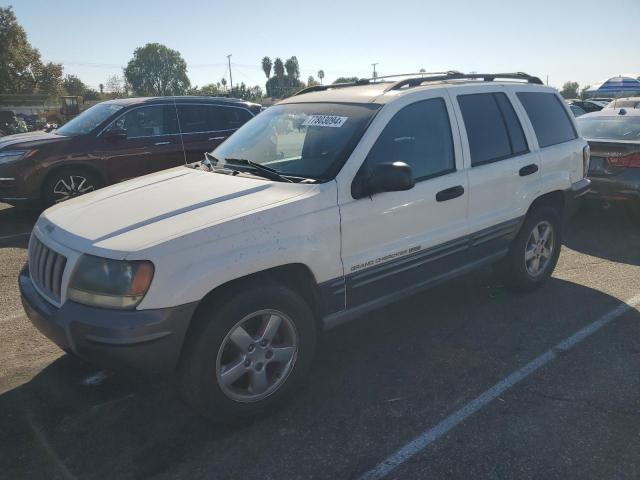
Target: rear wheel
[248,355]
[534,252]
[69,183]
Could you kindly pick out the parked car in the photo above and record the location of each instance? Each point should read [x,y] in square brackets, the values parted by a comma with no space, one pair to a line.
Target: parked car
[330,204]
[576,110]
[614,138]
[114,141]
[586,105]
[629,102]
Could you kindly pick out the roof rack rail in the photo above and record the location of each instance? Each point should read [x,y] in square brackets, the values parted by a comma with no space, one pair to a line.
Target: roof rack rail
[422,77]
[453,75]
[367,81]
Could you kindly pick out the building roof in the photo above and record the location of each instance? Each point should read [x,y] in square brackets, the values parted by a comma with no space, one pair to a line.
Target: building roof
[616,85]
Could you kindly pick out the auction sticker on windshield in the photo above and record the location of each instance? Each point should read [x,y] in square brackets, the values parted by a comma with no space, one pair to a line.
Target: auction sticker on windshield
[324,121]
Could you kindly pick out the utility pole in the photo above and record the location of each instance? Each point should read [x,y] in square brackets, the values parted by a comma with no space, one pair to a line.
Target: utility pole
[230,76]
[375,75]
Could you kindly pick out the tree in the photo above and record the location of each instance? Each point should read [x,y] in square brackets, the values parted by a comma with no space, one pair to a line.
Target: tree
[312,81]
[422,70]
[115,86]
[266,66]
[292,67]
[223,81]
[278,67]
[101,87]
[73,85]
[320,75]
[21,69]
[346,79]
[570,90]
[157,70]
[583,91]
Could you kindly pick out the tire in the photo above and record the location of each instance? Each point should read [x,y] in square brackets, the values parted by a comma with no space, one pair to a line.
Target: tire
[67,183]
[257,381]
[518,269]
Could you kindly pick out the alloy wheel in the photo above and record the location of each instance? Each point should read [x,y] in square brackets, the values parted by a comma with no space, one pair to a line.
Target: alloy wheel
[539,248]
[71,186]
[257,356]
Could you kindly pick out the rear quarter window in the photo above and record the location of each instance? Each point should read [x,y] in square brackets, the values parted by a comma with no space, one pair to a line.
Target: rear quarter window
[549,118]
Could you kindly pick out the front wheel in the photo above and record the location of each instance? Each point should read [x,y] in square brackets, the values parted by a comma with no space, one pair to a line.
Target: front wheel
[534,252]
[248,355]
[69,183]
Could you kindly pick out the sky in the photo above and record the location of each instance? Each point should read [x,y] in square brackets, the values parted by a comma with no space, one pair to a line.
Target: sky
[563,40]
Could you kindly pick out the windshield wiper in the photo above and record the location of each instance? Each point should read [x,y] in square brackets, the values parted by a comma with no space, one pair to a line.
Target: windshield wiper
[266,172]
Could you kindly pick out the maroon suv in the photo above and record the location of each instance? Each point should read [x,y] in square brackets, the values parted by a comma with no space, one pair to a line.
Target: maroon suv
[114,141]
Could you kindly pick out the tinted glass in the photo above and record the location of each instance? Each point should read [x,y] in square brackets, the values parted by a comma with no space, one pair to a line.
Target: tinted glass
[151,121]
[548,116]
[233,118]
[88,120]
[199,118]
[419,135]
[310,140]
[516,134]
[486,129]
[610,128]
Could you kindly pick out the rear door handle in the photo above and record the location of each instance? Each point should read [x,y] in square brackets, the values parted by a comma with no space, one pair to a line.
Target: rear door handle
[450,193]
[161,143]
[528,170]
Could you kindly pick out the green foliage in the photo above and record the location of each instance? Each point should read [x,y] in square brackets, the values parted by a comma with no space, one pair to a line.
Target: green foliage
[91,95]
[73,85]
[251,94]
[266,66]
[21,69]
[320,75]
[116,87]
[570,90]
[278,67]
[346,79]
[292,67]
[312,81]
[156,70]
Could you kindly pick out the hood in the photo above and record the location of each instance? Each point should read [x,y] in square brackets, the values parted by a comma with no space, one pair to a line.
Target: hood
[29,140]
[132,215]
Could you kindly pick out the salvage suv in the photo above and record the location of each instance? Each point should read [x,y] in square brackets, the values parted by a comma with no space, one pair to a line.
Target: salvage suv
[334,202]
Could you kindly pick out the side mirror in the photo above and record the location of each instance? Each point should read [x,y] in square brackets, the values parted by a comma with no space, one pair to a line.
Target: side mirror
[385,177]
[116,134]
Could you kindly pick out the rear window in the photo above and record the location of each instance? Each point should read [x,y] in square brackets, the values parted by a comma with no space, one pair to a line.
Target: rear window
[610,128]
[493,129]
[549,118]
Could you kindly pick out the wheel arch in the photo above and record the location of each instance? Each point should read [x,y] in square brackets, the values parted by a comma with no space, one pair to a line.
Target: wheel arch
[554,199]
[68,166]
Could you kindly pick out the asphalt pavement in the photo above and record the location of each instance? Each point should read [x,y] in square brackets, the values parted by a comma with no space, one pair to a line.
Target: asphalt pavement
[419,376]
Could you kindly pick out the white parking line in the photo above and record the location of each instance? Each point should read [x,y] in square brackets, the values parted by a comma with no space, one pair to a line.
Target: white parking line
[14,235]
[433,434]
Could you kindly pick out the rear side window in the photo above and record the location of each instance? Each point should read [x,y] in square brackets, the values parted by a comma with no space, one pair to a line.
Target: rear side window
[420,136]
[493,128]
[549,118]
[198,118]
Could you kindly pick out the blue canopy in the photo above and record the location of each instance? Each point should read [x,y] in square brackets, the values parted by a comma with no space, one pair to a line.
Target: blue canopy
[615,85]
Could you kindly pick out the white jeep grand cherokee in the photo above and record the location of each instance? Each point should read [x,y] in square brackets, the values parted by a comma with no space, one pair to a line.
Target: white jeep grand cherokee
[336,201]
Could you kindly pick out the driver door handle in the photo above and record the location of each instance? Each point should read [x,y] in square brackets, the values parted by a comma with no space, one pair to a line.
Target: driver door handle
[528,170]
[450,193]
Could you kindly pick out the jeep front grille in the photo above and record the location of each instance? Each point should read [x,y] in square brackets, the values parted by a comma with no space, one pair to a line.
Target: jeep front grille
[46,267]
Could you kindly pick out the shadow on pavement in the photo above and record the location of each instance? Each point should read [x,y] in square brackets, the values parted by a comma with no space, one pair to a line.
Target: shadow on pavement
[604,232]
[376,382]
[15,225]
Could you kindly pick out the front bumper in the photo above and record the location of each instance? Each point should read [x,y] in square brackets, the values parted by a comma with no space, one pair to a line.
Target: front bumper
[148,341]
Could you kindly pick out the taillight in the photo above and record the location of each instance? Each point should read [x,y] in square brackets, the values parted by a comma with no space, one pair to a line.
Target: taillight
[586,159]
[631,160]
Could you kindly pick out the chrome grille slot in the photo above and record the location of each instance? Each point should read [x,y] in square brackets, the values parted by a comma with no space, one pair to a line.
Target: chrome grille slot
[46,267]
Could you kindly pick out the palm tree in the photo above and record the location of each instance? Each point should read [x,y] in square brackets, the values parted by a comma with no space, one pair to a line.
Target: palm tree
[278,67]
[290,67]
[266,66]
[320,75]
[223,81]
[101,86]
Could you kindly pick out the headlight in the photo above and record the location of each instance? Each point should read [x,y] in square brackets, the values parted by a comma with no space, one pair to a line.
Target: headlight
[101,282]
[11,156]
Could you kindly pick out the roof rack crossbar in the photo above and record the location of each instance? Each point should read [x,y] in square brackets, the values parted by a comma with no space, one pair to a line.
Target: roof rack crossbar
[422,77]
[487,77]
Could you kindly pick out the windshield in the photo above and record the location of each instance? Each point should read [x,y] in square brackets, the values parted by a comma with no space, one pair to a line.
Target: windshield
[88,120]
[306,140]
[612,128]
